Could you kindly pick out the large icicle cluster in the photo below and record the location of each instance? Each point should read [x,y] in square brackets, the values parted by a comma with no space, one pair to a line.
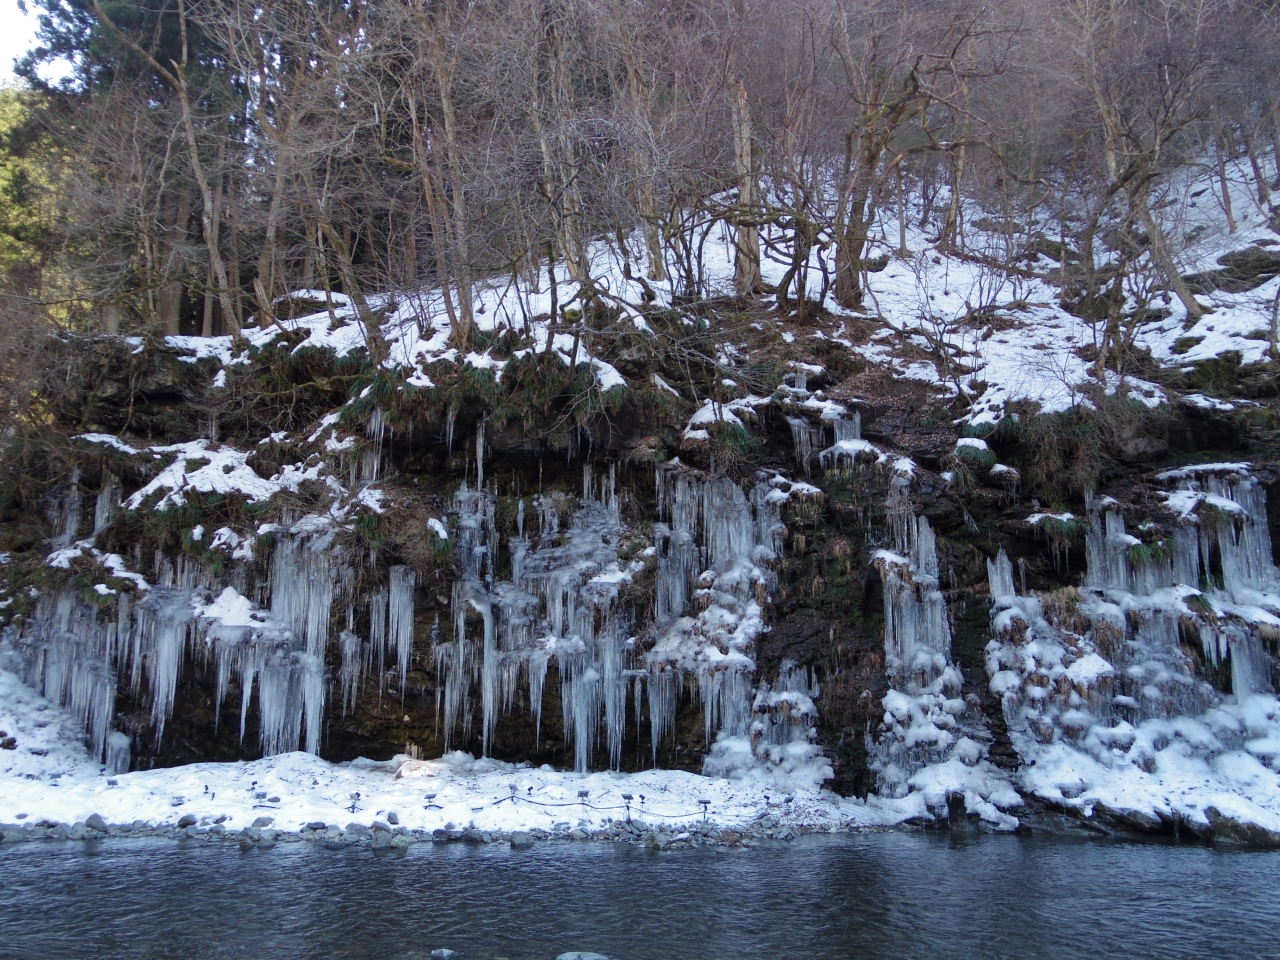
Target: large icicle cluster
[560,603]
[715,546]
[921,709]
[723,575]
[1115,672]
[711,555]
[782,735]
[78,653]
[930,743]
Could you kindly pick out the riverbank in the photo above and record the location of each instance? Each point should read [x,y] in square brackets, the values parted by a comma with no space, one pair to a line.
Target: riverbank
[403,801]
[49,787]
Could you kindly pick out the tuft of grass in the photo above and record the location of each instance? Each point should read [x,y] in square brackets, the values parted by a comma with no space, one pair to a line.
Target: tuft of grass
[369,528]
[1200,604]
[1185,345]
[962,477]
[1062,532]
[978,431]
[975,459]
[738,451]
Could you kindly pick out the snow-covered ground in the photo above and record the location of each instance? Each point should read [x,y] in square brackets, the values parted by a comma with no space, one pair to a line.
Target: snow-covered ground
[49,776]
[956,321]
[1184,769]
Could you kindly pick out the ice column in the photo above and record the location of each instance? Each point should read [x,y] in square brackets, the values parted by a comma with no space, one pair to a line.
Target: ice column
[805,439]
[119,748]
[400,619]
[727,580]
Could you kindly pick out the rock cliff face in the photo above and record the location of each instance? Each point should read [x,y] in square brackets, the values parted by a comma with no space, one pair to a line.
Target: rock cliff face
[703,539]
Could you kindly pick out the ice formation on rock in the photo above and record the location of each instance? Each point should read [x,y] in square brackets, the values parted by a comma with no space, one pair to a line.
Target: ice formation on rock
[560,602]
[715,549]
[554,593]
[805,438]
[119,751]
[1116,671]
[921,710]
[76,653]
[355,655]
[849,445]
[69,661]
[563,602]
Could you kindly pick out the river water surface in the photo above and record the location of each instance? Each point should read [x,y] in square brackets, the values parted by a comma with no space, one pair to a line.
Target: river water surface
[885,895]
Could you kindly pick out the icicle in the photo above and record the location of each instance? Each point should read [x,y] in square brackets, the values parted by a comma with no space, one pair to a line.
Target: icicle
[169,620]
[850,430]
[107,503]
[662,704]
[119,748]
[1000,576]
[91,698]
[378,630]
[400,622]
[64,513]
[480,456]
[280,703]
[805,440]
[303,580]
[313,697]
[353,657]
[319,602]
[371,460]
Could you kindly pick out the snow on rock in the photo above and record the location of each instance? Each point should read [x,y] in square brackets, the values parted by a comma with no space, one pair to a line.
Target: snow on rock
[197,467]
[1103,702]
[232,609]
[712,412]
[1036,518]
[106,439]
[204,348]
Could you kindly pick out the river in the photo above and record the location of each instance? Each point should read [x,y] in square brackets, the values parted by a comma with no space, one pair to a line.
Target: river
[863,897]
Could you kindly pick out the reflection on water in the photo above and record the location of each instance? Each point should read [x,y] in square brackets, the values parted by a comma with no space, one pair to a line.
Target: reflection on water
[883,895]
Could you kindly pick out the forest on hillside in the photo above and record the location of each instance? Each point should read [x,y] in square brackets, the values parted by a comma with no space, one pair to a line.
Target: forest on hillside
[200,159]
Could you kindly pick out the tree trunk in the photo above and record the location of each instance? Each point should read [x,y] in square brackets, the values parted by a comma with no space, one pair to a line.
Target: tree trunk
[233,223]
[458,225]
[642,166]
[267,256]
[949,238]
[850,246]
[169,299]
[206,329]
[746,270]
[849,266]
[1219,149]
[1264,191]
[1164,260]
[902,219]
[652,234]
